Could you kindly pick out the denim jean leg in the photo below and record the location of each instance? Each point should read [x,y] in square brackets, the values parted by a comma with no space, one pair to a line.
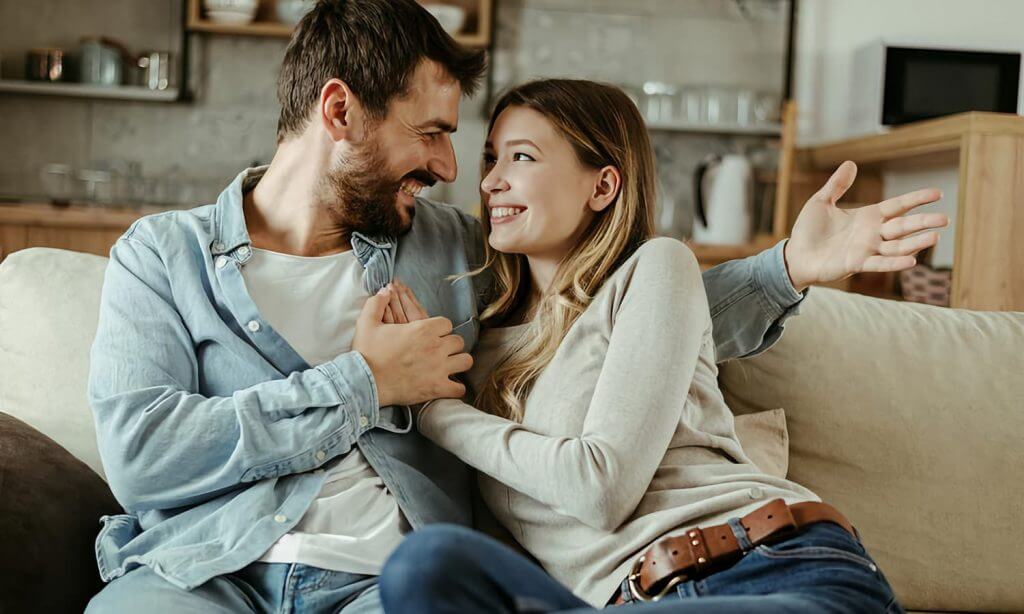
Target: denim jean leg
[447,568]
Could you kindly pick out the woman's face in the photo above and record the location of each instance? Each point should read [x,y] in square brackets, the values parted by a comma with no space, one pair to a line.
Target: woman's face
[539,196]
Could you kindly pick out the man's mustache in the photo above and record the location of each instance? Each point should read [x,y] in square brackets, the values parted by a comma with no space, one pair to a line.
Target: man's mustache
[423,176]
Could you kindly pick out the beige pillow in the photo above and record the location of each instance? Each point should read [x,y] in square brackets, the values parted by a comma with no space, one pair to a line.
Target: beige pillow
[764,438]
[49,308]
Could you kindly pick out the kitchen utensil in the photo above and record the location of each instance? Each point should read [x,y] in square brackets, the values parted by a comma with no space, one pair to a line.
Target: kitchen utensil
[100,61]
[723,192]
[45,64]
[451,17]
[231,12]
[154,67]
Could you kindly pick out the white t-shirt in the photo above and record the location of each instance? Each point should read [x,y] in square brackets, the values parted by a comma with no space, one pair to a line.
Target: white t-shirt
[313,303]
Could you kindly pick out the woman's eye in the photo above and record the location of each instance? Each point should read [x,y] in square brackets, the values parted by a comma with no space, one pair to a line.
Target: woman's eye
[525,157]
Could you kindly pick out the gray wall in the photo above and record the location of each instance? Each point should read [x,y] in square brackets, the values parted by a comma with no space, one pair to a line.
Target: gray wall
[200,145]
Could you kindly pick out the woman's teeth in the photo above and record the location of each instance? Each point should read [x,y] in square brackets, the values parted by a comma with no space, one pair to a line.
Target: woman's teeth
[499,212]
[412,188]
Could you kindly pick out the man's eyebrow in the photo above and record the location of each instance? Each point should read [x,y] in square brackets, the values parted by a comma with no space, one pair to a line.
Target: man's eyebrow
[440,124]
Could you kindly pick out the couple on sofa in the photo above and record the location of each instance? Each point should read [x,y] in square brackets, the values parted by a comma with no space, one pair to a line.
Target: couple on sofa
[277,378]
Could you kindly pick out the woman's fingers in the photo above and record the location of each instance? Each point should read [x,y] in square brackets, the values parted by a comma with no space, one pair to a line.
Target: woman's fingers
[396,306]
[908,246]
[898,205]
[413,310]
[900,227]
[389,316]
[886,264]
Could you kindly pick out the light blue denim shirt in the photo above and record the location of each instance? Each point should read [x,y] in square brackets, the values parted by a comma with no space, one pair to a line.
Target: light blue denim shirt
[211,427]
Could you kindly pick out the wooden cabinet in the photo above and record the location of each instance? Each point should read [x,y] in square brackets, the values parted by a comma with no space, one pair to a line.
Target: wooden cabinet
[476,32]
[988,150]
[78,228]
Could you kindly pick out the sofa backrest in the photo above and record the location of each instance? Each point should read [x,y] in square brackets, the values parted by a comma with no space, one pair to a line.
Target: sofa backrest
[909,419]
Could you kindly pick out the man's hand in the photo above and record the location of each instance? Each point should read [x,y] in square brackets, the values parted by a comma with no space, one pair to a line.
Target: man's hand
[411,362]
[829,244]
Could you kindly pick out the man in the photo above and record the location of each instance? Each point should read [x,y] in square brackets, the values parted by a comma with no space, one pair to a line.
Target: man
[252,424]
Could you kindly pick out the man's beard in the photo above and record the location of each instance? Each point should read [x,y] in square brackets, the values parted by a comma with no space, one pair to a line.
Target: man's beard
[360,195]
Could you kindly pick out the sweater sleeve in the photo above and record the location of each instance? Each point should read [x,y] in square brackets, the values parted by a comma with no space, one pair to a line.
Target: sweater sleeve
[660,319]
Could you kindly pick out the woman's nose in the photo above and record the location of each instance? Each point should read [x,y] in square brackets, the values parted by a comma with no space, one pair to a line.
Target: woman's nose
[493,182]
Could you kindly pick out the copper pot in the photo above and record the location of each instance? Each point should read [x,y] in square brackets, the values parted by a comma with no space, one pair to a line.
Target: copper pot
[45,64]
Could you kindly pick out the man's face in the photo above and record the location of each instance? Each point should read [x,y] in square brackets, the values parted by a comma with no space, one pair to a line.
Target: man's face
[372,187]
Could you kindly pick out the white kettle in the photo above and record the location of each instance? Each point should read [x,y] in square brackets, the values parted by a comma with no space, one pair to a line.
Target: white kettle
[724,199]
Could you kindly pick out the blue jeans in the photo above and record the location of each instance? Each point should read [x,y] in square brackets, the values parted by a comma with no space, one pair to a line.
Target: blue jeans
[280,588]
[444,568]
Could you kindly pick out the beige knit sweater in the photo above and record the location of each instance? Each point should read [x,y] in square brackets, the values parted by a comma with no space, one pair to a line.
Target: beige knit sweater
[626,436]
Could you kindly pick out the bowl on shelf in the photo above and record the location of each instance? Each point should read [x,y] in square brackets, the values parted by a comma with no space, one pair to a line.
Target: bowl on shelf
[292,11]
[450,17]
[232,12]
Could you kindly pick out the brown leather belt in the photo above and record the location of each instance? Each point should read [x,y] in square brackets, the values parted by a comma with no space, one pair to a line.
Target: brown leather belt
[701,552]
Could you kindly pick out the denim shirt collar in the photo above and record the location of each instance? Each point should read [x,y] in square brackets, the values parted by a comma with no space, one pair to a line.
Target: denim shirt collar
[376,254]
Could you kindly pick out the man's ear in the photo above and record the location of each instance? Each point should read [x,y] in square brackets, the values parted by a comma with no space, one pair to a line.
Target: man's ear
[339,111]
[606,188]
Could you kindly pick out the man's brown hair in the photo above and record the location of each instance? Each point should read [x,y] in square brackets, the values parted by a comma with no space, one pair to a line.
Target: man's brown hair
[372,45]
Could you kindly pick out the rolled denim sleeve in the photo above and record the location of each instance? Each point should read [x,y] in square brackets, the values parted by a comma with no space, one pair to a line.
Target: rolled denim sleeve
[163,444]
[750,301]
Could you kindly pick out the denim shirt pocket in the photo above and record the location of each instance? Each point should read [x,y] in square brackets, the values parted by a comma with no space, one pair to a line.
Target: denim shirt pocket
[468,330]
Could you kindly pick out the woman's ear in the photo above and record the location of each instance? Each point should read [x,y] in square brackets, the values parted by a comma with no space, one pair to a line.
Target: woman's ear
[606,189]
[338,110]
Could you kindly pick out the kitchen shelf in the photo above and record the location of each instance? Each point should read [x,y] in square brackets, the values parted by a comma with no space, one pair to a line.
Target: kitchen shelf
[479,15]
[739,129]
[83,90]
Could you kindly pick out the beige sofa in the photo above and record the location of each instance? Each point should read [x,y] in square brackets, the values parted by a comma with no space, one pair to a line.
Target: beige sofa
[908,418]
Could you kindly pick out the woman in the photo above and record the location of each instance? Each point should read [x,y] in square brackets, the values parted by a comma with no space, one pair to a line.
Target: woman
[601,433]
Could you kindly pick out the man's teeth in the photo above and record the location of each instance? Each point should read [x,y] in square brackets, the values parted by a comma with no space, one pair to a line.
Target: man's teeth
[505,212]
[412,188]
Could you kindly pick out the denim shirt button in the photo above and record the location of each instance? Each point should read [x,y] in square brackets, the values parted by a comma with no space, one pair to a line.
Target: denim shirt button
[364,421]
[280,519]
[243,251]
[320,455]
[253,326]
[222,262]
[755,492]
[218,246]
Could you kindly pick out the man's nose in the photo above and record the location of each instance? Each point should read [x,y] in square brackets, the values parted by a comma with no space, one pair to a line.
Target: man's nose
[443,164]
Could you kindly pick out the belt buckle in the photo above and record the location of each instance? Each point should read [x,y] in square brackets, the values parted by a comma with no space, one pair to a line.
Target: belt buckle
[640,594]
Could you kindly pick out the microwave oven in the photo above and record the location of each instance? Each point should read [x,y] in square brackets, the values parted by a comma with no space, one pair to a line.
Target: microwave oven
[896,83]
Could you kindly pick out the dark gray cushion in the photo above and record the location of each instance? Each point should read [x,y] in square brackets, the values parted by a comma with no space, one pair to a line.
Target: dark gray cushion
[50,505]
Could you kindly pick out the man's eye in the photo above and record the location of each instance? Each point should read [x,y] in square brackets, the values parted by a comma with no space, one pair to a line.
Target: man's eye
[525,157]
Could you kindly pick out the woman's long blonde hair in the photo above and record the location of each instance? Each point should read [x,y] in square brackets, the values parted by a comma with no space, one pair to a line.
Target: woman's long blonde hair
[604,128]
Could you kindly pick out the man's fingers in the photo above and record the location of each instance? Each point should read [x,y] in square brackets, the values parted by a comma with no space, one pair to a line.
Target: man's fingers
[908,246]
[452,390]
[454,344]
[460,363]
[375,307]
[900,227]
[839,182]
[898,205]
[886,264]
[438,325]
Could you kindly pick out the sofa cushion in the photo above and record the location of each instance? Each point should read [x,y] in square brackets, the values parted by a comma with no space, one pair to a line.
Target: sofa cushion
[908,418]
[49,309]
[50,503]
